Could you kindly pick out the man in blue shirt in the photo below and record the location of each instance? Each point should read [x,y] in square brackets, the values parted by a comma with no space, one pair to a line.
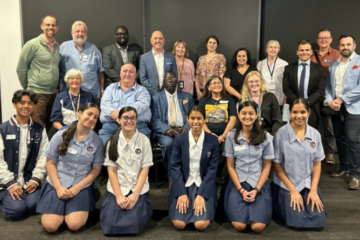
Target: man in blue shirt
[85,56]
[125,93]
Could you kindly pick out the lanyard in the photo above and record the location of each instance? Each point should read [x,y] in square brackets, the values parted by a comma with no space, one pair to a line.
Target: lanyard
[182,69]
[77,105]
[258,107]
[271,72]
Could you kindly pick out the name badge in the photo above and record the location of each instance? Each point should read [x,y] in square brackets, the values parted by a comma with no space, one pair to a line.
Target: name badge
[72,151]
[223,101]
[10,136]
[84,58]
[239,148]
[327,60]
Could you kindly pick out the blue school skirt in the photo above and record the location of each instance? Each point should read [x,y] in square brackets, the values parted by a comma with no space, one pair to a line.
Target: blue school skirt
[115,220]
[189,216]
[238,210]
[303,219]
[50,203]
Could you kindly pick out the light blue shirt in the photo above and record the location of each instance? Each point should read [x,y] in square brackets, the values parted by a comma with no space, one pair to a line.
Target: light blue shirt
[115,98]
[88,61]
[78,160]
[307,76]
[248,159]
[297,157]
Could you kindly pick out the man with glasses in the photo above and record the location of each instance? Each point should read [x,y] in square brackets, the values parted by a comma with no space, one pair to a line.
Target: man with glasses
[38,69]
[85,56]
[169,108]
[125,93]
[325,55]
[115,55]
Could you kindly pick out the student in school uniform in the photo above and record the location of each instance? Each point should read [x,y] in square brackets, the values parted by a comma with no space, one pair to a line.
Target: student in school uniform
[249,151]
[194,160]
[74,158]
[297,167]
[126,205]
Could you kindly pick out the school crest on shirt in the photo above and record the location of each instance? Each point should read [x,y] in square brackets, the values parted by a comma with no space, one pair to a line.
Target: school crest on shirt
[257,148]
[312,144]
[208,154]
[90,149]
[37,137]
[138,151]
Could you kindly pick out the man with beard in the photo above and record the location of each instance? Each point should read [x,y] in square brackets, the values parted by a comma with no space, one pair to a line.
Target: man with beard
[307,80]
[115,55]
[342,94]
[84,56]
[38,69]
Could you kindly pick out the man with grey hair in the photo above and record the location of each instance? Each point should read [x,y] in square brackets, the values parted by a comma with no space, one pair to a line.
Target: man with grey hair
[84,56]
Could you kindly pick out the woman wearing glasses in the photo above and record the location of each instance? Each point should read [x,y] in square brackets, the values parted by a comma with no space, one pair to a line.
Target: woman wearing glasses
[126,205]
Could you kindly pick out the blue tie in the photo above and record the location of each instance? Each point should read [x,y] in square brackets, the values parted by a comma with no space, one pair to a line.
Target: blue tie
[302,80]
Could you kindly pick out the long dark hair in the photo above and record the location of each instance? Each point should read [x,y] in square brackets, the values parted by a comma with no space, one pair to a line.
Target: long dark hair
[113,140]
[68,134]
[234,63]
[257,135]
[300,100]
[207,93]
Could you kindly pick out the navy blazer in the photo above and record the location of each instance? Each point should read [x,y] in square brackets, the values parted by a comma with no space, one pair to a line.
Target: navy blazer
[159,109]
[351,93]
[180,162]
[112,61]
[148,72]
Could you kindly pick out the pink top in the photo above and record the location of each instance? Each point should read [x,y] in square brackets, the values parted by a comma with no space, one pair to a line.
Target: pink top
[186,72]
[216,66]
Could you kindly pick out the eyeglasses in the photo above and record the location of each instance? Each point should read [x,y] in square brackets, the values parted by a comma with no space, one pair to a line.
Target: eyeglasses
[126,118]
[74,78]
[174,79]
[215,83]
[121,34]
[323,38]
[50,25]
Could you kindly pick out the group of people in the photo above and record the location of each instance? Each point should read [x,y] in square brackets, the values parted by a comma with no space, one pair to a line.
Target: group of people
[230,139]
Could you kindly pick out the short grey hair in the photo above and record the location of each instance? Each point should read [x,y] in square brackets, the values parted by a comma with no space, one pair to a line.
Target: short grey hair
[77,23]
[130,63]
[272,41]
[73,72]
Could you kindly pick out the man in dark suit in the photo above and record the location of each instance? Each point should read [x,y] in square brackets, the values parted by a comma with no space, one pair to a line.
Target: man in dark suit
[169,108]
[305,79]
[155,63]
[115,55]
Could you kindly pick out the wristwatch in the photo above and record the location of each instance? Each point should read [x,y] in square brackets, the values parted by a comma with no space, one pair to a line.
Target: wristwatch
[258,190]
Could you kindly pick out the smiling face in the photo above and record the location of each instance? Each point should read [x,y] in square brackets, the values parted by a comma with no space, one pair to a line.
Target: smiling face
[128,121]
[273,49]
[25,107]
[127,75]
[211,45]
[215,85]
[324,39]
[170,82]
[241,58]
[89,117]
[180,50]
[304,52]
[74,82]
[346,47]
[196,121]
[299,114]
[122,36]
[157,41]
[49,27]
[79,34]
[247,116]
[254,84]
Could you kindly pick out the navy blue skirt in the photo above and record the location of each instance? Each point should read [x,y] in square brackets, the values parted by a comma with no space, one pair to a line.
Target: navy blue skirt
[238,210]
[189,216]
[50,203]
[115,220]
[291,217]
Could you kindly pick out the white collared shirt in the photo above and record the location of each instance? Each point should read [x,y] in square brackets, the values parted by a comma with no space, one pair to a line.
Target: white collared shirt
[195,150]
[124,53]
[179,117]
[133,156]
[159,61]
[340,75]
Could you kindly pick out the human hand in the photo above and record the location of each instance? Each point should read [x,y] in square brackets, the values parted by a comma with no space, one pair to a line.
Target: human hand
[296,201]
[199,205]
[221,139]
[74,190]
[334,105]
[315,201]
[63,193]
[31,187]
[121,201]
[171,132]
[182,203]
[16,192]
[131,200]
[114,114]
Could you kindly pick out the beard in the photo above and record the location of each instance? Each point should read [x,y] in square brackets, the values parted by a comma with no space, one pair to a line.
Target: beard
[80,41]
[346,54]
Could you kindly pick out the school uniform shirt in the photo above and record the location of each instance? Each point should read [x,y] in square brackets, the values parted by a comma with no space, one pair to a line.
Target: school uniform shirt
[295,156]
[133,156]
[78,160]
[39,170]
[195,150]
[248,159]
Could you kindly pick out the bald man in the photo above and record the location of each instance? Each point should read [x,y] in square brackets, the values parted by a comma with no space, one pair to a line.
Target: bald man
[155,63]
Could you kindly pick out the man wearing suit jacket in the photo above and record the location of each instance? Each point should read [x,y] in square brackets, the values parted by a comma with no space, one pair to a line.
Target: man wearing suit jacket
[342,94]
[165,125]
[155,63]
[305,79]
[115,55]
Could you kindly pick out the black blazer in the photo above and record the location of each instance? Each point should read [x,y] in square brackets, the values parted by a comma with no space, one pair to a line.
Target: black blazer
[112,62]
[316,87]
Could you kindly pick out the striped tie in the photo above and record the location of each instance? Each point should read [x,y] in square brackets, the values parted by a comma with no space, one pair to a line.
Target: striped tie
[172,117]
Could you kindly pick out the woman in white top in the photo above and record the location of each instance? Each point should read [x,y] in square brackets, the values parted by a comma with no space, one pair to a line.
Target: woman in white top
[194,161]
[272,70]
[126,205]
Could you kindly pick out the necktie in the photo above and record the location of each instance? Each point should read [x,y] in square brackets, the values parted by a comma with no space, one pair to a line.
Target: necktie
[302,80]
[172,117]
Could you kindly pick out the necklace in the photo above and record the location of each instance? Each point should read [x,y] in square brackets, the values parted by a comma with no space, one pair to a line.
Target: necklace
[215,102]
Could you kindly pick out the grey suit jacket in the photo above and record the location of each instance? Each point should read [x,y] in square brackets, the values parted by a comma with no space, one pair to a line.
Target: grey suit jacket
[112,62]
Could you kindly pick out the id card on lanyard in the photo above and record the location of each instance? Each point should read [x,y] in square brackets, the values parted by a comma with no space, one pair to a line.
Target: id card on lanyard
[73,105]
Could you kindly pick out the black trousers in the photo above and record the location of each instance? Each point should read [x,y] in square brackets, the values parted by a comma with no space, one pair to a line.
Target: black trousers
[328,137]
[347,135]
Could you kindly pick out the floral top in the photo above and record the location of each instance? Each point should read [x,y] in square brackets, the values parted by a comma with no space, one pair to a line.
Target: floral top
[216,66]
[186,72]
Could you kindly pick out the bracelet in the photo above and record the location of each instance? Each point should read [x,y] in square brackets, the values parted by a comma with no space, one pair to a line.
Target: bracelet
[240,189]
[258,190]
[137,194]
[222,135]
